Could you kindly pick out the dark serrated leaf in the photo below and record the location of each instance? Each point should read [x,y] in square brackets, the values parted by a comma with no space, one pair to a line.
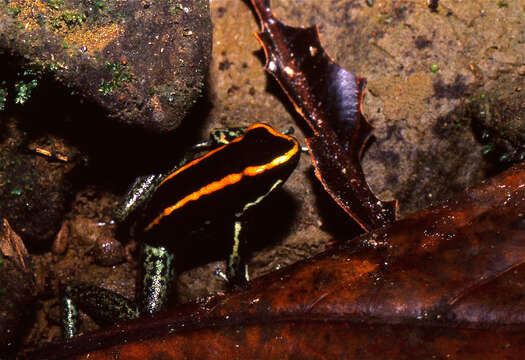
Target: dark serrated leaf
[329,98]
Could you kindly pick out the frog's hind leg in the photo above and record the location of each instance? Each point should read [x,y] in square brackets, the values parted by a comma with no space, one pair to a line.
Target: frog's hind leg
[104,306]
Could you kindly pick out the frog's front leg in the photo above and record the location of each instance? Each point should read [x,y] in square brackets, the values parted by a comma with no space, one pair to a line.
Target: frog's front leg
[157,278]
[136,197]
[236,268]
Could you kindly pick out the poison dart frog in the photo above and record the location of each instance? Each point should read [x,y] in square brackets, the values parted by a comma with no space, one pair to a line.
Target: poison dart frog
[220,179]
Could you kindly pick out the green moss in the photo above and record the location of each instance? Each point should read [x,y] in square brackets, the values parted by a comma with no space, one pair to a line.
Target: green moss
[51,67]
[29,80]
[72,18]
[119,76]
[13,11]
[24,89]
[17,191]
[55,4]
[35,69]
[67,18]
[176,9]
[55,23]
[106,87]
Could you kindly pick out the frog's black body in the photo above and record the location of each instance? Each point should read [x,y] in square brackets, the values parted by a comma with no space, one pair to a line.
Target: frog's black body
[223,184]
[220,184]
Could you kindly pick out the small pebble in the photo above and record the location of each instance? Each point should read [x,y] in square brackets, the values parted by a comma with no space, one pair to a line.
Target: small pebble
[108,251]
[86,230]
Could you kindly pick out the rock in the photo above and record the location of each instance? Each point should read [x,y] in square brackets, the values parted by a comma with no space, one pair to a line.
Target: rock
[422,66]
[17,289]
[108,251]
[86,231]
[34,186]
[144,62]
[501,116]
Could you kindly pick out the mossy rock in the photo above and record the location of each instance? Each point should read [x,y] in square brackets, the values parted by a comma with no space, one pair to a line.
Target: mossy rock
[143,62]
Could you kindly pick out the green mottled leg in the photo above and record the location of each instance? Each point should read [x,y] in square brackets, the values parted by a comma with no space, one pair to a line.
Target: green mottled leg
[136,197]
[69,317]
[157,278]
[237,269]
[104,306]
[107,307]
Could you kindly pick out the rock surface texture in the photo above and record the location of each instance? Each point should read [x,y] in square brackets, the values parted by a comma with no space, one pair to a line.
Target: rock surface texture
[143,62]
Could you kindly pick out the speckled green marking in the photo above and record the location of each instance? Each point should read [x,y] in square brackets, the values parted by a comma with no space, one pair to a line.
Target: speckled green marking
[69,313]
[55,4]
[104,306]
[3,96]
[159,274]
[235,258]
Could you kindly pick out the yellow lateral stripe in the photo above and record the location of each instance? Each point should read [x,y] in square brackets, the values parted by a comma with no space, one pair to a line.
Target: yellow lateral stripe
[226,181]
